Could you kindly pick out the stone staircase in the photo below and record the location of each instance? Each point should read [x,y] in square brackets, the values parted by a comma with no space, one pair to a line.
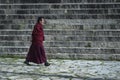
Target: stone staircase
[77,29]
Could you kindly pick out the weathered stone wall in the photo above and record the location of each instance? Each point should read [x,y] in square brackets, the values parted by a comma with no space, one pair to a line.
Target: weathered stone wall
[87,29]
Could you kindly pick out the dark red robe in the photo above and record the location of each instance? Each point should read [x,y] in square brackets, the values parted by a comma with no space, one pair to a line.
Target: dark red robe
[36,52]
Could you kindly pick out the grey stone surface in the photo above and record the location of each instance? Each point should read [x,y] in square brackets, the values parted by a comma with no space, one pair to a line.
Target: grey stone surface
[15,69]
[73,28]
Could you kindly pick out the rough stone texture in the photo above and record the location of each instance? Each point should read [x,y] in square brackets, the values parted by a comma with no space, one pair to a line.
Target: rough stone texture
[14,69]
[87,29]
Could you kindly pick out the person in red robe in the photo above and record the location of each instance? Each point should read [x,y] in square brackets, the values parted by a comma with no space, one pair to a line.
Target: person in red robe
[36,52]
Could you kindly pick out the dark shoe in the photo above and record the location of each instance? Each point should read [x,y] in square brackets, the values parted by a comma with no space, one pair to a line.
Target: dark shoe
[27,63]
[47,64]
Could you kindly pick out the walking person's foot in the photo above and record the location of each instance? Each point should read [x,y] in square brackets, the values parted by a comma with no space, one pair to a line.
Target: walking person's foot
[47,64]
[27,63]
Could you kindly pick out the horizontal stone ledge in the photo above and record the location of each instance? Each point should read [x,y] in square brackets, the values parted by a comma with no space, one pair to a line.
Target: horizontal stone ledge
[59,9]
[83,44]
[83,50]
[65,22]
[58,36]
[94,33]
[93,3]
[61,14]
[52,48]
[63,27]
[90,24]
[56,16]
[15,47]
[47,36]
[15,35]
[81,38]
[62,35]
[70,28]
[61,38]
[46,41]
[51,20]
[14,44]
[89,48]
[67,8]
[35,15]
[13,53]
[83,33]
[62,24]
[62,45]
[64,53]
[69,56]
[67,44]
[13,30]
[77,12]
[85,56]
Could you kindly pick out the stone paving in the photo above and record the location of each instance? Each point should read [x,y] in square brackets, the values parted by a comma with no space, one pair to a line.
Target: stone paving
[15,69]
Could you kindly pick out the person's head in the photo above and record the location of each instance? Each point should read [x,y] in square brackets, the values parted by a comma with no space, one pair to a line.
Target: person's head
[41,20]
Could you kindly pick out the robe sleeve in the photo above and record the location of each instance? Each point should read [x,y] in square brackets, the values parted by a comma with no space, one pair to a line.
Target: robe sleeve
[38,34]
[41,32]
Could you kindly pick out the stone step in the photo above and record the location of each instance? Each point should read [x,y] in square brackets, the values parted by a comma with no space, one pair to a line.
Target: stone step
[22,31]
[16,26]
[60,38]
[16,38]
[62,16]
[14,10]
[81,38]
[92,33]
[87,44]
[90,1]
[60,1]
[15,43]
[61,22]
[75,26]
[15,32]
[84,56]
[62,11]
[58,5]
[70,56]
[63,50]
[86,22]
